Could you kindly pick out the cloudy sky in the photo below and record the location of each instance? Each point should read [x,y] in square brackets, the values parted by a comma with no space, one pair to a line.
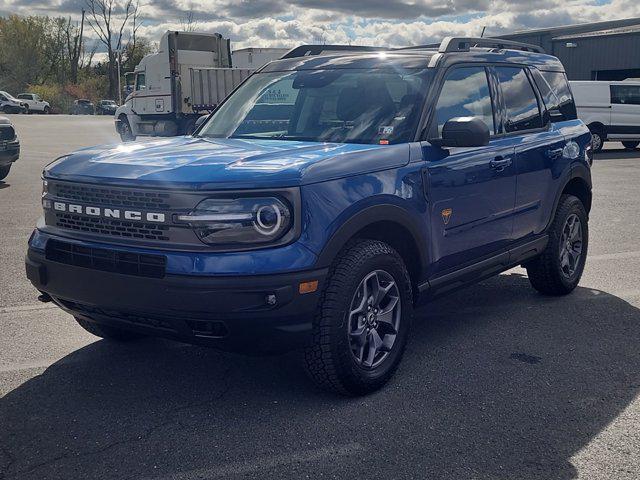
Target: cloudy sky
[286,23]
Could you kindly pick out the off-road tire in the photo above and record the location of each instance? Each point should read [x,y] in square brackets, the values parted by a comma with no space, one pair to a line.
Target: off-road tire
[544,272]
[630,145]
[4,171]
[108,332]
[328,358]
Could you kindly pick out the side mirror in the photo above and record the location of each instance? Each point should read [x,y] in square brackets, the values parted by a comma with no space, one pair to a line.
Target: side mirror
[201,120]
[464,132]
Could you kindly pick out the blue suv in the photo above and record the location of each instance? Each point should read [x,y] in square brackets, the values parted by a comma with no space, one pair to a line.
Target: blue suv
[332,192]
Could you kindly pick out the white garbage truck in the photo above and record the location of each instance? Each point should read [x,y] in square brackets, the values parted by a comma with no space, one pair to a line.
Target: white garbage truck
[189,76]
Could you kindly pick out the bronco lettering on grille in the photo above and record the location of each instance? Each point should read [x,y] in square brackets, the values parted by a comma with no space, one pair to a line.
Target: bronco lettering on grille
[134,215]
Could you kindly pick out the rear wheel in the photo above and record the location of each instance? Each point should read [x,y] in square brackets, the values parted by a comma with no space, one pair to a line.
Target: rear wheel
[108,332]
[362,322]
[558,270]
[4,171]
[630,145]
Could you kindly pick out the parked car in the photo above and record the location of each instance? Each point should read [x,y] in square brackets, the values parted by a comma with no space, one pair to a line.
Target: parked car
[328,195]
[10,104]
[83,107]
[9,146]
[106,107]
[34,103]
[611,110]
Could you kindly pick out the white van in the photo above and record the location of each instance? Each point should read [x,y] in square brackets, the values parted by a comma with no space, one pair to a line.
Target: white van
[611,110]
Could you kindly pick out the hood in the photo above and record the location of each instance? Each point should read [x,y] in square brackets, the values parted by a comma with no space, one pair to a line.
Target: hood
[200,163]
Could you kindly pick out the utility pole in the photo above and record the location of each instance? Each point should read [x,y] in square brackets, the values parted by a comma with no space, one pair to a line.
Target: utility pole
[119,55]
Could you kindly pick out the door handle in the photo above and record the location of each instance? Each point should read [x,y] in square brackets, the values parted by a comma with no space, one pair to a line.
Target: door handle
[500,163]
[555,153]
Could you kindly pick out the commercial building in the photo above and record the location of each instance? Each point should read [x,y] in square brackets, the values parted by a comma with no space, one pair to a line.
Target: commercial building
[592,51]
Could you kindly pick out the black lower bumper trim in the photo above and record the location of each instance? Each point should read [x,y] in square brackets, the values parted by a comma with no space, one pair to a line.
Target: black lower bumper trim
[248,313]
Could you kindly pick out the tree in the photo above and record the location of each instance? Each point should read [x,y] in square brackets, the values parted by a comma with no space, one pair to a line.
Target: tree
[108,19]
[73,36]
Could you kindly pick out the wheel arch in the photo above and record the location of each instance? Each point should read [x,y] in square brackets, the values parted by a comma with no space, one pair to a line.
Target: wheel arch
[388,223]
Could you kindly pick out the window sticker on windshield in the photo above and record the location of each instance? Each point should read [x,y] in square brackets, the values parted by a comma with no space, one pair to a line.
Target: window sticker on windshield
[385,130]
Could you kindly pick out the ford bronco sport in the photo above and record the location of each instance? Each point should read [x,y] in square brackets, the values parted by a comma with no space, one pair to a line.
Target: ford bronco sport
[330,193]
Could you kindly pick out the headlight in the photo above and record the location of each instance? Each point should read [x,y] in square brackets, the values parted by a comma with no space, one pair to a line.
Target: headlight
[240,221]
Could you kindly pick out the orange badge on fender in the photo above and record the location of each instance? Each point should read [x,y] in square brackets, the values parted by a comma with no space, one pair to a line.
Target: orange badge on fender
[446,215]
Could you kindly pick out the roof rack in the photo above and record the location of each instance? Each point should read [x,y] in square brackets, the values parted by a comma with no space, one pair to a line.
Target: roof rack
[307,50]
[463,44]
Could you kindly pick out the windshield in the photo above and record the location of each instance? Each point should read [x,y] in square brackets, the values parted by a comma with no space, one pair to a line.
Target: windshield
[350,106]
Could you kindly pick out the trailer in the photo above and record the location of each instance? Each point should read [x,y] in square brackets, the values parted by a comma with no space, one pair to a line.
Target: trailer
[189,76]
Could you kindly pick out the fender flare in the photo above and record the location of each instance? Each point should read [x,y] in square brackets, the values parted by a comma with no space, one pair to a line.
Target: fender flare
[368,216]
[578,170]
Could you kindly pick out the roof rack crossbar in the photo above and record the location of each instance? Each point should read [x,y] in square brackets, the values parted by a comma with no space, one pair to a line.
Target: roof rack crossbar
[463,44]
[307,50]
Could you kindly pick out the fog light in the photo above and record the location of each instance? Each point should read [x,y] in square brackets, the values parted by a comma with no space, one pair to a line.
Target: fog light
[308,287]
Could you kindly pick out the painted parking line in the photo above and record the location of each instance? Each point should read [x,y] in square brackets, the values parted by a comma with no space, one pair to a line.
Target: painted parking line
[614,256]
[267,463]
[27,308]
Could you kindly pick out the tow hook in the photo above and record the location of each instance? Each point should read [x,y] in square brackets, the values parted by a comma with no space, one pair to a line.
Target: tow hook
[44,297]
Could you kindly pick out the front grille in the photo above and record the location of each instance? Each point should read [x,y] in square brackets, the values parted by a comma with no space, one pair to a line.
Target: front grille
[115,228]
[7,132]
[132,318]
[127,263]
[114,197]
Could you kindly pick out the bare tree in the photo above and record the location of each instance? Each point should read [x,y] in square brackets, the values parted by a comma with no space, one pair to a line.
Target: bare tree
[74,38]
[108,19]
[188,23]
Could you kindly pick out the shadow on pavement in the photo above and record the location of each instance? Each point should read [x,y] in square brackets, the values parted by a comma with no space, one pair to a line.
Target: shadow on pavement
[616,154]
[498,382]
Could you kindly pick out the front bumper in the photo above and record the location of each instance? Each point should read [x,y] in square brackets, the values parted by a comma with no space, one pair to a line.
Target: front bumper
[9,152]
[230,313]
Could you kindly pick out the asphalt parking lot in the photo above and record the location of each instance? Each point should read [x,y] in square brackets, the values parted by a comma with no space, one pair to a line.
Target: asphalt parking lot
[498,382]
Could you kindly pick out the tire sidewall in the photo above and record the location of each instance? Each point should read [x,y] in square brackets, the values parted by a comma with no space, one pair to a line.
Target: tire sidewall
[572,205]
[356,373]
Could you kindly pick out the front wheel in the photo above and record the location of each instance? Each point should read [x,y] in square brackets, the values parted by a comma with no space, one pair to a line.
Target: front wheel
[126,134]
[363,320]
[108,332]
[47,110]
[559,269]
[597,140]
[630,145]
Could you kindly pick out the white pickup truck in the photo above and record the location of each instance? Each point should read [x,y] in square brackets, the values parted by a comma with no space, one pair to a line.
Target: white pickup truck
[34,103]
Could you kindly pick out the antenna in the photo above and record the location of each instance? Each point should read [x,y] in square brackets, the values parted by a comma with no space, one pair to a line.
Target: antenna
[483,29]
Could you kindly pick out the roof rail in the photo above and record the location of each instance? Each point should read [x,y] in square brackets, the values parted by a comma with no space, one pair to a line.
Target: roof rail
[307,50]
[463,44]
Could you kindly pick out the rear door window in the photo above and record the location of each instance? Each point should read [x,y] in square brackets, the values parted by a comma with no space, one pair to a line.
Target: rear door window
[556,94]
[521,104]
[465,93]
[625,94]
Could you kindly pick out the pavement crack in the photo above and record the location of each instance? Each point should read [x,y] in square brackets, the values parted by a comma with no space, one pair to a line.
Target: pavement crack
[169,419]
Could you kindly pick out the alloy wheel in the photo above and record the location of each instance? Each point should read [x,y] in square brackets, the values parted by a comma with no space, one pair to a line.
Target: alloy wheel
[570,245]
[374,319]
